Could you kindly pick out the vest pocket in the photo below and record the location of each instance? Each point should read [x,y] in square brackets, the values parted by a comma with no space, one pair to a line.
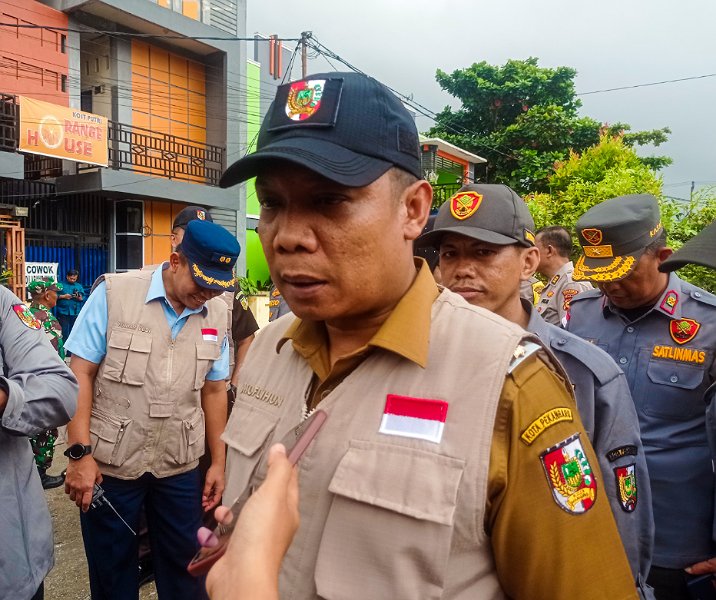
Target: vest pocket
[135,370]
[206,354]
[127,357]
[394,507]
[191,445]
[116,357]
[109,437]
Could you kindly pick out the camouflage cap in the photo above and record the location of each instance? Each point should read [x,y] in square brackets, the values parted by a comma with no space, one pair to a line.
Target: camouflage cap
[42,285]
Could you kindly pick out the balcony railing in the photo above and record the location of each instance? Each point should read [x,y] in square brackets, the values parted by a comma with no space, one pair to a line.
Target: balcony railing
[443,192]
[161,154]
[130,148]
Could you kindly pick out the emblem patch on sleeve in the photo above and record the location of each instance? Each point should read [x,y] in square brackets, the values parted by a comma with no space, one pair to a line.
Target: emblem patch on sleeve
[626,486]
[570,476]
[683,330]
[27,318]
[616,453]
[543,422]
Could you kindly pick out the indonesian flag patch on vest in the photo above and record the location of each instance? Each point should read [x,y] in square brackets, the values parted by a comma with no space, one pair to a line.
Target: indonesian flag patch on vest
[210,335]
[418,418]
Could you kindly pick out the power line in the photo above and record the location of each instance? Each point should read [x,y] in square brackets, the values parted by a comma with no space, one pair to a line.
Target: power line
[640,85]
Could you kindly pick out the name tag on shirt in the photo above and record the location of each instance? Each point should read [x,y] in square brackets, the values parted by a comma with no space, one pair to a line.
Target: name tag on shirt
[419,418]
[210,335]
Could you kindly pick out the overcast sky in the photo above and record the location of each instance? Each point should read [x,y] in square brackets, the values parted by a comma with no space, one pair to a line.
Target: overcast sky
[611,43]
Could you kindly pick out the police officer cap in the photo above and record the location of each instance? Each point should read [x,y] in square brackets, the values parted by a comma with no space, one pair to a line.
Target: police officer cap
[614,234]
[699,250]
[212,252]
[488,212]
[191,213]
[42,285]
[346,127]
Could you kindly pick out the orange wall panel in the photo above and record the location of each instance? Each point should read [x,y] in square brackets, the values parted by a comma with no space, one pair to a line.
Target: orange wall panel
[190,8]
[34,64]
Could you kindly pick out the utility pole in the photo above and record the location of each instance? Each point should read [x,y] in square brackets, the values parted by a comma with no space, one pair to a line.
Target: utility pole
[691,194]
[305,35]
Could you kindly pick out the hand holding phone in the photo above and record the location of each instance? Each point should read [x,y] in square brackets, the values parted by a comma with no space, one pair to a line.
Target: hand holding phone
[214,543]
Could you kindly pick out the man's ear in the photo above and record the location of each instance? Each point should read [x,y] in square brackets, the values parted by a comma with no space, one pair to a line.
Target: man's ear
[417,199]
[530,262]
[663,254]
[174,261]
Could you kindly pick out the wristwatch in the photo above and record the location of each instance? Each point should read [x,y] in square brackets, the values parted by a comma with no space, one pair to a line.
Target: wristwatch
[77,451]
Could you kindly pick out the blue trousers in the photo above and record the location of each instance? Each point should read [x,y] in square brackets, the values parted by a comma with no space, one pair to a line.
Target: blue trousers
[67,322]
[173,508]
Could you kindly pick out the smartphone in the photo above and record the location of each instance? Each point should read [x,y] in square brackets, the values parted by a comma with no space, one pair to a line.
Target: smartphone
[702,588]
[296,443]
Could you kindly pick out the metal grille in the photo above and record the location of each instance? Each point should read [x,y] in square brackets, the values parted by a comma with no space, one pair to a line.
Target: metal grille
[8,123]
[223,15]
[442,193]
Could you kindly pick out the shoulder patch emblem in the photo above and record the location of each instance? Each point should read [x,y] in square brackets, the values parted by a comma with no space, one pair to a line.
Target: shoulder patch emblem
[683,330]
[668,304]
[570,476]
[465,204]
[593,236]
[626,487]
[26,316]
[616,453]
[545,421]
[568,294]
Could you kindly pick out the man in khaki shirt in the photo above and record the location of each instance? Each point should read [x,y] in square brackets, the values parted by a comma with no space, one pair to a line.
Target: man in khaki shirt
[555,246]
[453,462]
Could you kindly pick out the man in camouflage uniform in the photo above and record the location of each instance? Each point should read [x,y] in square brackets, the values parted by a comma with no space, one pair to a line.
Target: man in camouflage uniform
[44,297]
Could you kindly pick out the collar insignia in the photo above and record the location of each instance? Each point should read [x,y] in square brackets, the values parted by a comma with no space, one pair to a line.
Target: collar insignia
[683,330]
[465,204]
[593,236]
[626,487]
[554,279]
[304,99]
[668,304]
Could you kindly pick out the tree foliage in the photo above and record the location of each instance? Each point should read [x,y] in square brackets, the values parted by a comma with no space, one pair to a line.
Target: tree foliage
[610,169]
[523,118]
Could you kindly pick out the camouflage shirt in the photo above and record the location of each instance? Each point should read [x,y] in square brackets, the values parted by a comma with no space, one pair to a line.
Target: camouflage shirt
[51,326]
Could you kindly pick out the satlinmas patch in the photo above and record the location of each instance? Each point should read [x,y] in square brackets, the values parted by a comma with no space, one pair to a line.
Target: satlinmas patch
[544,422]
[682,354]
[570,476]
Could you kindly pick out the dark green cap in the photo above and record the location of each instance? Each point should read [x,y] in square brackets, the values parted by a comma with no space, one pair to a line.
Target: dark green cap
[614,234]
[699,250]
[488,212]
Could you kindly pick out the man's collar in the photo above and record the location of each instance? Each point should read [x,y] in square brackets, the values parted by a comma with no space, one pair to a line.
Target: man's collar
[536,323]
[405,332]
[669,303]
[157,291]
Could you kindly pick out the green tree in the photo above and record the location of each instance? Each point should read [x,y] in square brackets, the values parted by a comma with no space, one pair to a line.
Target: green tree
[523,118]
[609,169]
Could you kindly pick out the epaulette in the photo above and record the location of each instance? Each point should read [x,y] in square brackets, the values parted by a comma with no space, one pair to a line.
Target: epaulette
[524,349]
[591,356]
[586,294]
[703,297]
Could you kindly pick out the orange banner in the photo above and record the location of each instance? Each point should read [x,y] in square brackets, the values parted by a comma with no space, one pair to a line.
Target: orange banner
[53,130]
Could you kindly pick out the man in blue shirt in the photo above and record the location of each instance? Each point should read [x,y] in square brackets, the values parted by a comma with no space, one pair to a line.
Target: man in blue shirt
[150,351]
[69,302]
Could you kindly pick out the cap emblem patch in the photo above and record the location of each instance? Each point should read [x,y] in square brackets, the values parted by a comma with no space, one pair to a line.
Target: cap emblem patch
[593,236]
[570,476]
[599,251]
[465,204]
[683,330]
[626,486]
[201,215]
[304,99]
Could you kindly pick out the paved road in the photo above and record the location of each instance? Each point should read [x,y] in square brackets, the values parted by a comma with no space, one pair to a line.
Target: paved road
[68,580]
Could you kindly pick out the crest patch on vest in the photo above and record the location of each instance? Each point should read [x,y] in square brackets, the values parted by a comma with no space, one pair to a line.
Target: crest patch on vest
[570,476]
[28,319]
[683,330]
[419,418]
[626,487]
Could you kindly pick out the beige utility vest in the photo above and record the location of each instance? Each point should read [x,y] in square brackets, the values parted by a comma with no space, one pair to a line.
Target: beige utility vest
[383,516]
[146,413]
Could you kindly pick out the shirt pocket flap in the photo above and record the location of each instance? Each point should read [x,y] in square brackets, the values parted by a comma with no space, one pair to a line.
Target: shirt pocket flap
[141,343]
[207,351]
[412,482]
[120,339]
[104,427]
[248,428]
[675,374]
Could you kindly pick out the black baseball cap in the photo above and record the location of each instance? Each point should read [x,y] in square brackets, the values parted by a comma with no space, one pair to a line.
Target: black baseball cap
[346,127]
[212,252]
[699,250]
[191,213]
[614,234]
[488,212]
